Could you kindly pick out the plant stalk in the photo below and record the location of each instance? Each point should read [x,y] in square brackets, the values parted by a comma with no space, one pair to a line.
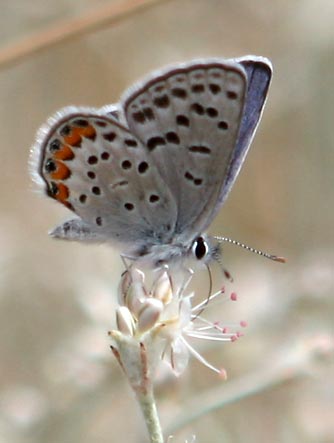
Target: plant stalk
[148,406]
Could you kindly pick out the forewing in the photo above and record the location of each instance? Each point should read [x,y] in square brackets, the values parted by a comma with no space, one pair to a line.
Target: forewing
[188,119]
[259,72]
[93,165]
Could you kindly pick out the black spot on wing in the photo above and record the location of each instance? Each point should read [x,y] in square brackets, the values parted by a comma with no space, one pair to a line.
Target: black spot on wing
[129,206]
[138,117]
[126,164]
[131,143]
[172,137]
[109,136]
[92,160]
[200,149]
[197,108]
[214,88]
[54,145]
[231,95]
[223,125]
[148,113]
[81,122]
[197,88]
[162,101]
[179,93]
[143,167]
[182,120]
[211,112]
[96,190]
[154,142]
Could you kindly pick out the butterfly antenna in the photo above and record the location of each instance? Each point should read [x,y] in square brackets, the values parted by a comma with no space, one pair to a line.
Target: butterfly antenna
[249,248]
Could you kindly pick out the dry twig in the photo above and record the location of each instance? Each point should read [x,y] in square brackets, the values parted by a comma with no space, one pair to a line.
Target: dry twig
[67,30]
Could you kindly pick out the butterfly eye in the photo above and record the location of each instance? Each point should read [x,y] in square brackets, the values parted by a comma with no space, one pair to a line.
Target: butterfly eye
[200,248]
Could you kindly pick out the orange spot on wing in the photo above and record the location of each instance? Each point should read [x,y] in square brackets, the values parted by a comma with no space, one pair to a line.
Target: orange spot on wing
[62,172]
[64,153]
[74,138]
[62,194]
[89,132]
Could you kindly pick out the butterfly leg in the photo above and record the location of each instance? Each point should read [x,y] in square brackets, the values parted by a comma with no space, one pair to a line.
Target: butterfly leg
[179,278]
[127,266]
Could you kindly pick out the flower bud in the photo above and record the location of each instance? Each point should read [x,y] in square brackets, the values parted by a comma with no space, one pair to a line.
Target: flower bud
[163,289]
[149,314]
[132,292]
[124,320]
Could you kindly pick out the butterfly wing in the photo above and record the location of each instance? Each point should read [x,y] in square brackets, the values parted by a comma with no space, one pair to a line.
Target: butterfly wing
[94,166]
[154,170]
[188,119]
[259,72]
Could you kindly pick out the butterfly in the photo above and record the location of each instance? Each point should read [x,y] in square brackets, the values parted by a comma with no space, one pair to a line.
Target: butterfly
[150,173]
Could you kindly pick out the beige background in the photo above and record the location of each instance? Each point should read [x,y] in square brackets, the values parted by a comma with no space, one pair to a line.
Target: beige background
[58,380]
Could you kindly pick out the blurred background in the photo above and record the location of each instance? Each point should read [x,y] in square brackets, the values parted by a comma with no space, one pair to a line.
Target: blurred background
[58,379]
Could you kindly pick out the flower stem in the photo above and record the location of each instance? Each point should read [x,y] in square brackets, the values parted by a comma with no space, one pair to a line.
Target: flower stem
[148,406]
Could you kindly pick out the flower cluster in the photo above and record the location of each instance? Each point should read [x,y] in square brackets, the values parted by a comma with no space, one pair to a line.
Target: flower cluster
[157,324]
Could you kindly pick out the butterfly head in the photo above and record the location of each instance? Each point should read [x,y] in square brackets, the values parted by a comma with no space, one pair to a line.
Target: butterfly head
[204,249]
[201,250]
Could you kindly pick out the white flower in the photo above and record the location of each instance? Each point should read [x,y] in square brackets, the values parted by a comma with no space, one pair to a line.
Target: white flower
[159,322]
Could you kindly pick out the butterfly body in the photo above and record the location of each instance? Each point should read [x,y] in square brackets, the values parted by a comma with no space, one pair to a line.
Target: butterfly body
[150,173]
